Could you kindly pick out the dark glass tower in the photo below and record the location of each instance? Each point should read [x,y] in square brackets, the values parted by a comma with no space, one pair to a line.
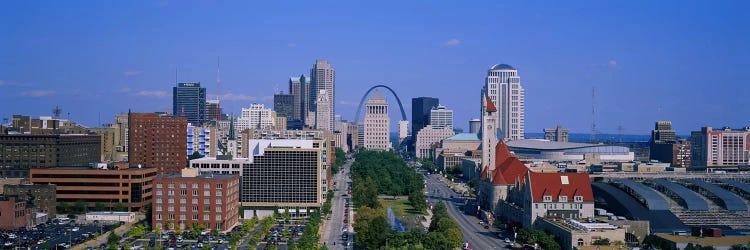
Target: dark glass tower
[189,101]
[283,105]
[420,112]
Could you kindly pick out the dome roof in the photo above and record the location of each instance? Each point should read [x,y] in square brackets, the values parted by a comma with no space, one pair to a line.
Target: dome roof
[502,67]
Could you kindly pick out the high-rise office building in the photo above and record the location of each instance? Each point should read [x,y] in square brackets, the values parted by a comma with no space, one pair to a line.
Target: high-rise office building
[158,141]
[255,117]
[557,134]
[121,120]
[725,147]
[441,117]
[428,138]
[189,101]
[323,78]
[664,146]
[202,139]
[323,119]
[420,112]
[503,86]
[283,105]
[299,88]
[213,110]
[377,123]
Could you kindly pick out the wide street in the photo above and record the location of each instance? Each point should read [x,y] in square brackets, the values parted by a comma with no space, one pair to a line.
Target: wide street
[477,235]
[333,228]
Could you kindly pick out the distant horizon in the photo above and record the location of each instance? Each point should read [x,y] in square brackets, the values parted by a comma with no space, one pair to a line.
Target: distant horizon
[647,61]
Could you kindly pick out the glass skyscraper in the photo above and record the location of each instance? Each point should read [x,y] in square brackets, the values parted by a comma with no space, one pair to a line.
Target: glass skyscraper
[189,101]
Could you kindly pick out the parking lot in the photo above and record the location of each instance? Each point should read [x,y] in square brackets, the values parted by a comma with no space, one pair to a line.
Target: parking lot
[53,235]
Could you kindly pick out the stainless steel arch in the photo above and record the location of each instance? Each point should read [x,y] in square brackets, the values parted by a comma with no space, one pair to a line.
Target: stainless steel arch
[359,108]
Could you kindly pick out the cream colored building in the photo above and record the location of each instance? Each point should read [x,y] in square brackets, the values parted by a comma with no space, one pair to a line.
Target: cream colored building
[377,123]
[429,138]
[574,233]
[255,117]
[323,115]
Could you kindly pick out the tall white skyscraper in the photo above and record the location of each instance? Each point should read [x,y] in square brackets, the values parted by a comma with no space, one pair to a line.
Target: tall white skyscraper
[441,117]
[503,86]
[322,116]
[322,77]
[377,123]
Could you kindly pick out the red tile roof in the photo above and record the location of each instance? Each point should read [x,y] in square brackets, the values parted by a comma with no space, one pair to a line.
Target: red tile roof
[551,184]
[490,105]
[501,152]
[508,171]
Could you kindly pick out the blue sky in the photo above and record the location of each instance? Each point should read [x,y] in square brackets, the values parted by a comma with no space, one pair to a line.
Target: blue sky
[685,61]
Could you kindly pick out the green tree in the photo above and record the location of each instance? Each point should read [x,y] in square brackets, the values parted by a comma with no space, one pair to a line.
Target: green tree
[63,207]
[127,246]
[120,207]
[113,239]
[100,207]
[214,232]
[417,201]
[601,242]
[195,155]
[436,241]
[79,207]
[365,193]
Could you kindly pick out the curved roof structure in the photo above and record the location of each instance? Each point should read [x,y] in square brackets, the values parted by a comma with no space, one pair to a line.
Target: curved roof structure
[737,184]
[539,144]
[731,201]
[693,201]
[620,203]
[502,66]
[654,201]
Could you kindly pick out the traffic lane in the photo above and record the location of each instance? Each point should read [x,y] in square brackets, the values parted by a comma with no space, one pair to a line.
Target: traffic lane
[332,232]
[487,239]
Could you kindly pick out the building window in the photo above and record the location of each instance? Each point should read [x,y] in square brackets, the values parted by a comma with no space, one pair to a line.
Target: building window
[219,193]
[195,208]
[195,200]
[562,198]
[183,200]
[206,201]
[171,200]
[171,185]
[218,217]
[183,208]
[218,208]
[159,185]
[195,185]
[547,198]
[578,198]
[195,216]
[218,185]
[183,185]
[206,192]
[183,192]
[195,192]
[158,208]
[158,216]
[170,192]
[158,192]
[158,201]
[206,208]
[207,186]
[170,208]
[218,200]
[206,217]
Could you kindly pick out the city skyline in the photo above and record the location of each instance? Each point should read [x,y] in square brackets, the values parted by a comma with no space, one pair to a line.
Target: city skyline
[99,64]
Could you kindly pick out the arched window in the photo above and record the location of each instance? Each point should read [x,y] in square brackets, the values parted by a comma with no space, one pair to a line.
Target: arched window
[580,242]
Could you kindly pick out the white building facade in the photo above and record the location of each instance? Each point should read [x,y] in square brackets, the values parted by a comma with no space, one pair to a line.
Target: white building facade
[441,117]
[323,78]
[255,117]
[503,86]
[429,138]
[377,123]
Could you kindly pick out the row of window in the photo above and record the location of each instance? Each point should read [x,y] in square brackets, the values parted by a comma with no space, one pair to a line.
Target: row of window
[194,201]
[562,198]
[183,217]
[195,185]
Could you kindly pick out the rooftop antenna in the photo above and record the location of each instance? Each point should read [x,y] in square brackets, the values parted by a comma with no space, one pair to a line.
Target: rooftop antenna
[619,130]
[593,115]
[218,77]
[57,111]
[176,69]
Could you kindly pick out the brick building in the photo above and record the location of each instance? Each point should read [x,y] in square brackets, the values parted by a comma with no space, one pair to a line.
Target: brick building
[190,198]
[13,213]
[42,197]
[157,141]
[129,186]
[21,152]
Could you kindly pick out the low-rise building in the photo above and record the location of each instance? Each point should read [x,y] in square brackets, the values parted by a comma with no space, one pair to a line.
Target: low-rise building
[429,138]
[42,197]
[111,216]
[191,198]
[13,213]
[667,241]
[104,184]
[573,234]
